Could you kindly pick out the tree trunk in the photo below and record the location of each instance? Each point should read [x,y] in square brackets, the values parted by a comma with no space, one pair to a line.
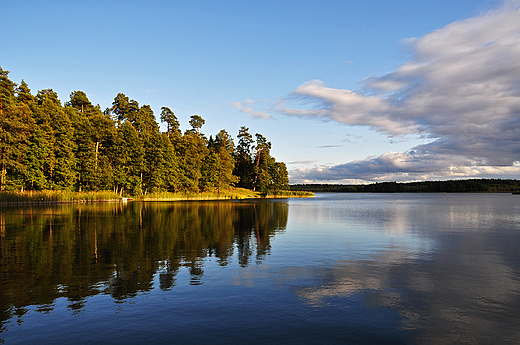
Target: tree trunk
[97,150]
[2,177]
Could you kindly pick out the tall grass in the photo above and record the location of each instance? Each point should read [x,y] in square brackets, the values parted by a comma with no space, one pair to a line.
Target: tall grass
[46,196]
[57,196]
[235,193]
[288,194]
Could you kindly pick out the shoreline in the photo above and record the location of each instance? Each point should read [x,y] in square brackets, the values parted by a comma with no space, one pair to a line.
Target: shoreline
[146,199]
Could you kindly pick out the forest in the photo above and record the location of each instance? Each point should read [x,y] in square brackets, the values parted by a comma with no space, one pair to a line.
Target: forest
[77,146]
[450,186]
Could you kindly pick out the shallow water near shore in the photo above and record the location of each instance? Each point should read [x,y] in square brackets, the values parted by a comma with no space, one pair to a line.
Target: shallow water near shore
[337,268]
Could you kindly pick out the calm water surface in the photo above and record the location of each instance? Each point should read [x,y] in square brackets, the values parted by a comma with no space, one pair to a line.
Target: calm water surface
[337,268]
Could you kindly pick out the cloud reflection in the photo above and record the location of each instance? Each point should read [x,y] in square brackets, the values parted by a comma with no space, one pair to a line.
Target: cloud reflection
[467,293]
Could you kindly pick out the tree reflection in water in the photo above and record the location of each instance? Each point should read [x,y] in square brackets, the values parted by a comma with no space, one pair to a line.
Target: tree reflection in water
[77,251]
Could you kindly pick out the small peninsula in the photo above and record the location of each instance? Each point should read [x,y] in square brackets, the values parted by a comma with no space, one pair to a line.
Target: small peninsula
[76,151]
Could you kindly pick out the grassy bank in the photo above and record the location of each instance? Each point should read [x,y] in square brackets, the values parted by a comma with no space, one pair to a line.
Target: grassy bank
[55,196]
[288,194]
[52,196]
[235,193]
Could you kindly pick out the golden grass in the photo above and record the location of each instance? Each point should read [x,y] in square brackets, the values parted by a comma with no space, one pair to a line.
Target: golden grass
[46,196]
[288,194]
[235,193]
[57,196]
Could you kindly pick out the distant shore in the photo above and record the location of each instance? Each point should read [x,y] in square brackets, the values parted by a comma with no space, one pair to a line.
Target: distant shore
[449,186]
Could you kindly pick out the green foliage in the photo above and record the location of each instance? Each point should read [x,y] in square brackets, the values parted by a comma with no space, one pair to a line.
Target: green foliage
[80,101]
[268,174]
[192,152]
[219,163]
[23,94]
[288,194]
[7,89]
[196,122]
[173,126]
[244,159]
[45,145]
[131,159]
[64,173]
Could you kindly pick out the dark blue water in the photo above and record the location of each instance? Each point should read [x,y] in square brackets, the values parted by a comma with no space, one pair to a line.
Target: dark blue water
[337,268]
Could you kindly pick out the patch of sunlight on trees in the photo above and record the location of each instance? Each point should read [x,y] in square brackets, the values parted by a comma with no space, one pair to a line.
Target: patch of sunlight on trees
[47,146]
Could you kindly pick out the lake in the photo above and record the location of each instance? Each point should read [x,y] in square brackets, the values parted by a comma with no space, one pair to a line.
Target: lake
[337,268]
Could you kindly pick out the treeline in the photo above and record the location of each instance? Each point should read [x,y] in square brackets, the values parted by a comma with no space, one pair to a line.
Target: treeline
[451,186]
[78,147]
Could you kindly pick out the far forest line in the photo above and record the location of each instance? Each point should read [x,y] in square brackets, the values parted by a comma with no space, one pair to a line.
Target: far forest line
[450,186]
[45,145]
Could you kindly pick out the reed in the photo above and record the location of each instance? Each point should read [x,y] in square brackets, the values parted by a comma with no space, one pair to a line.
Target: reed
[235,193]
[288,194]
[57,196]
[46,196]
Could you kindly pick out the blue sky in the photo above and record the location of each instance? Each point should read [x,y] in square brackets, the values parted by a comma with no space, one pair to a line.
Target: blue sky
[346,91]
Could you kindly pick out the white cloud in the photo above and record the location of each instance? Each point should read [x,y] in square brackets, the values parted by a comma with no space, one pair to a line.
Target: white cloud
[461,89]
[244,107]
[247,102]
[309,162]
[255,114]
[349,108]
[329,146]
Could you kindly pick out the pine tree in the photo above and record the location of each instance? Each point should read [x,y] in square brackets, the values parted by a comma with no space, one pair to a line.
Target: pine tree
[191,151]
[172,124]
[243,159]
[7,90]
[9,126]
[221,162]
[94,133]
[23,94]
[64,172]
[263,160]
[128,160]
